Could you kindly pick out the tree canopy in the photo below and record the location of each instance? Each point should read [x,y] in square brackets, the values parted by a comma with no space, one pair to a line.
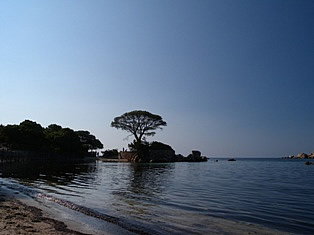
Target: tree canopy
[139,123]
[31,136]
[89,141]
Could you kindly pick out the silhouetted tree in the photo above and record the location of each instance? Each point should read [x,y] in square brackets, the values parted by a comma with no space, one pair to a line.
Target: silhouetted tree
[89,141]
[1,136]
[10,136]
[31,136]
[110,153]
[139,123]
[62,140]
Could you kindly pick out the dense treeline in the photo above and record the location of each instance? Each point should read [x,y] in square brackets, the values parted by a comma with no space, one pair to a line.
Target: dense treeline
[31,136]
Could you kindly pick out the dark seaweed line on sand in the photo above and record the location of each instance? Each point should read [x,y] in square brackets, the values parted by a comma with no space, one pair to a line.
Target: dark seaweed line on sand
[95,214]
[82,209]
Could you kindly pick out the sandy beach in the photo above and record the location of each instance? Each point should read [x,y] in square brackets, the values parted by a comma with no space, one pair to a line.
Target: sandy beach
[19,218]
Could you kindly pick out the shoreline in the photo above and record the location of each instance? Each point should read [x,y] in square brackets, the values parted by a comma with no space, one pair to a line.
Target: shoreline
[16,217]
[22,215]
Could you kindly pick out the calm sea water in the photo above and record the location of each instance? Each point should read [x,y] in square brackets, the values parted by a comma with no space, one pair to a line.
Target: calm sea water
[179,197]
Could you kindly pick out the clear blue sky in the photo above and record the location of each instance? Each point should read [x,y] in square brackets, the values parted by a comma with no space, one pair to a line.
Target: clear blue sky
[230,77]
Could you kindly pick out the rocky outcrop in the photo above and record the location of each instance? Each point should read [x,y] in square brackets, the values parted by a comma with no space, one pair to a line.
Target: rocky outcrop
[301,156]
[179,158]
[160,152]
[162,155]
[195,156]
[157,152]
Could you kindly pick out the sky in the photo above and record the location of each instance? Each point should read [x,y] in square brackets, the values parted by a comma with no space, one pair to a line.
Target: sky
[230,78]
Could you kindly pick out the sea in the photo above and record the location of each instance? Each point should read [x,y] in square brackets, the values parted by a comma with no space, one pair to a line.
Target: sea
[175,198]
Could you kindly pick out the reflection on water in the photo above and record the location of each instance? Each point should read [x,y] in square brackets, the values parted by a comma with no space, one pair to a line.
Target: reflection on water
[144,185]
[51,175]
[158,196]
[50,170]
[149,180]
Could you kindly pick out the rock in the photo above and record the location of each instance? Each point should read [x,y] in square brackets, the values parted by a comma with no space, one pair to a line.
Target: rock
[160,152]
[179,158]
[231,160]
[289,157]
[196,153]
[303,155]
[195,157]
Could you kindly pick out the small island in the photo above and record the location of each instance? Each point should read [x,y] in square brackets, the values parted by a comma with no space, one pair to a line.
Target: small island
[141,124]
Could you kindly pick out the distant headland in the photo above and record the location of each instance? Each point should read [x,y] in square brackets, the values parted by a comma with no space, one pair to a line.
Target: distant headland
[301,156]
